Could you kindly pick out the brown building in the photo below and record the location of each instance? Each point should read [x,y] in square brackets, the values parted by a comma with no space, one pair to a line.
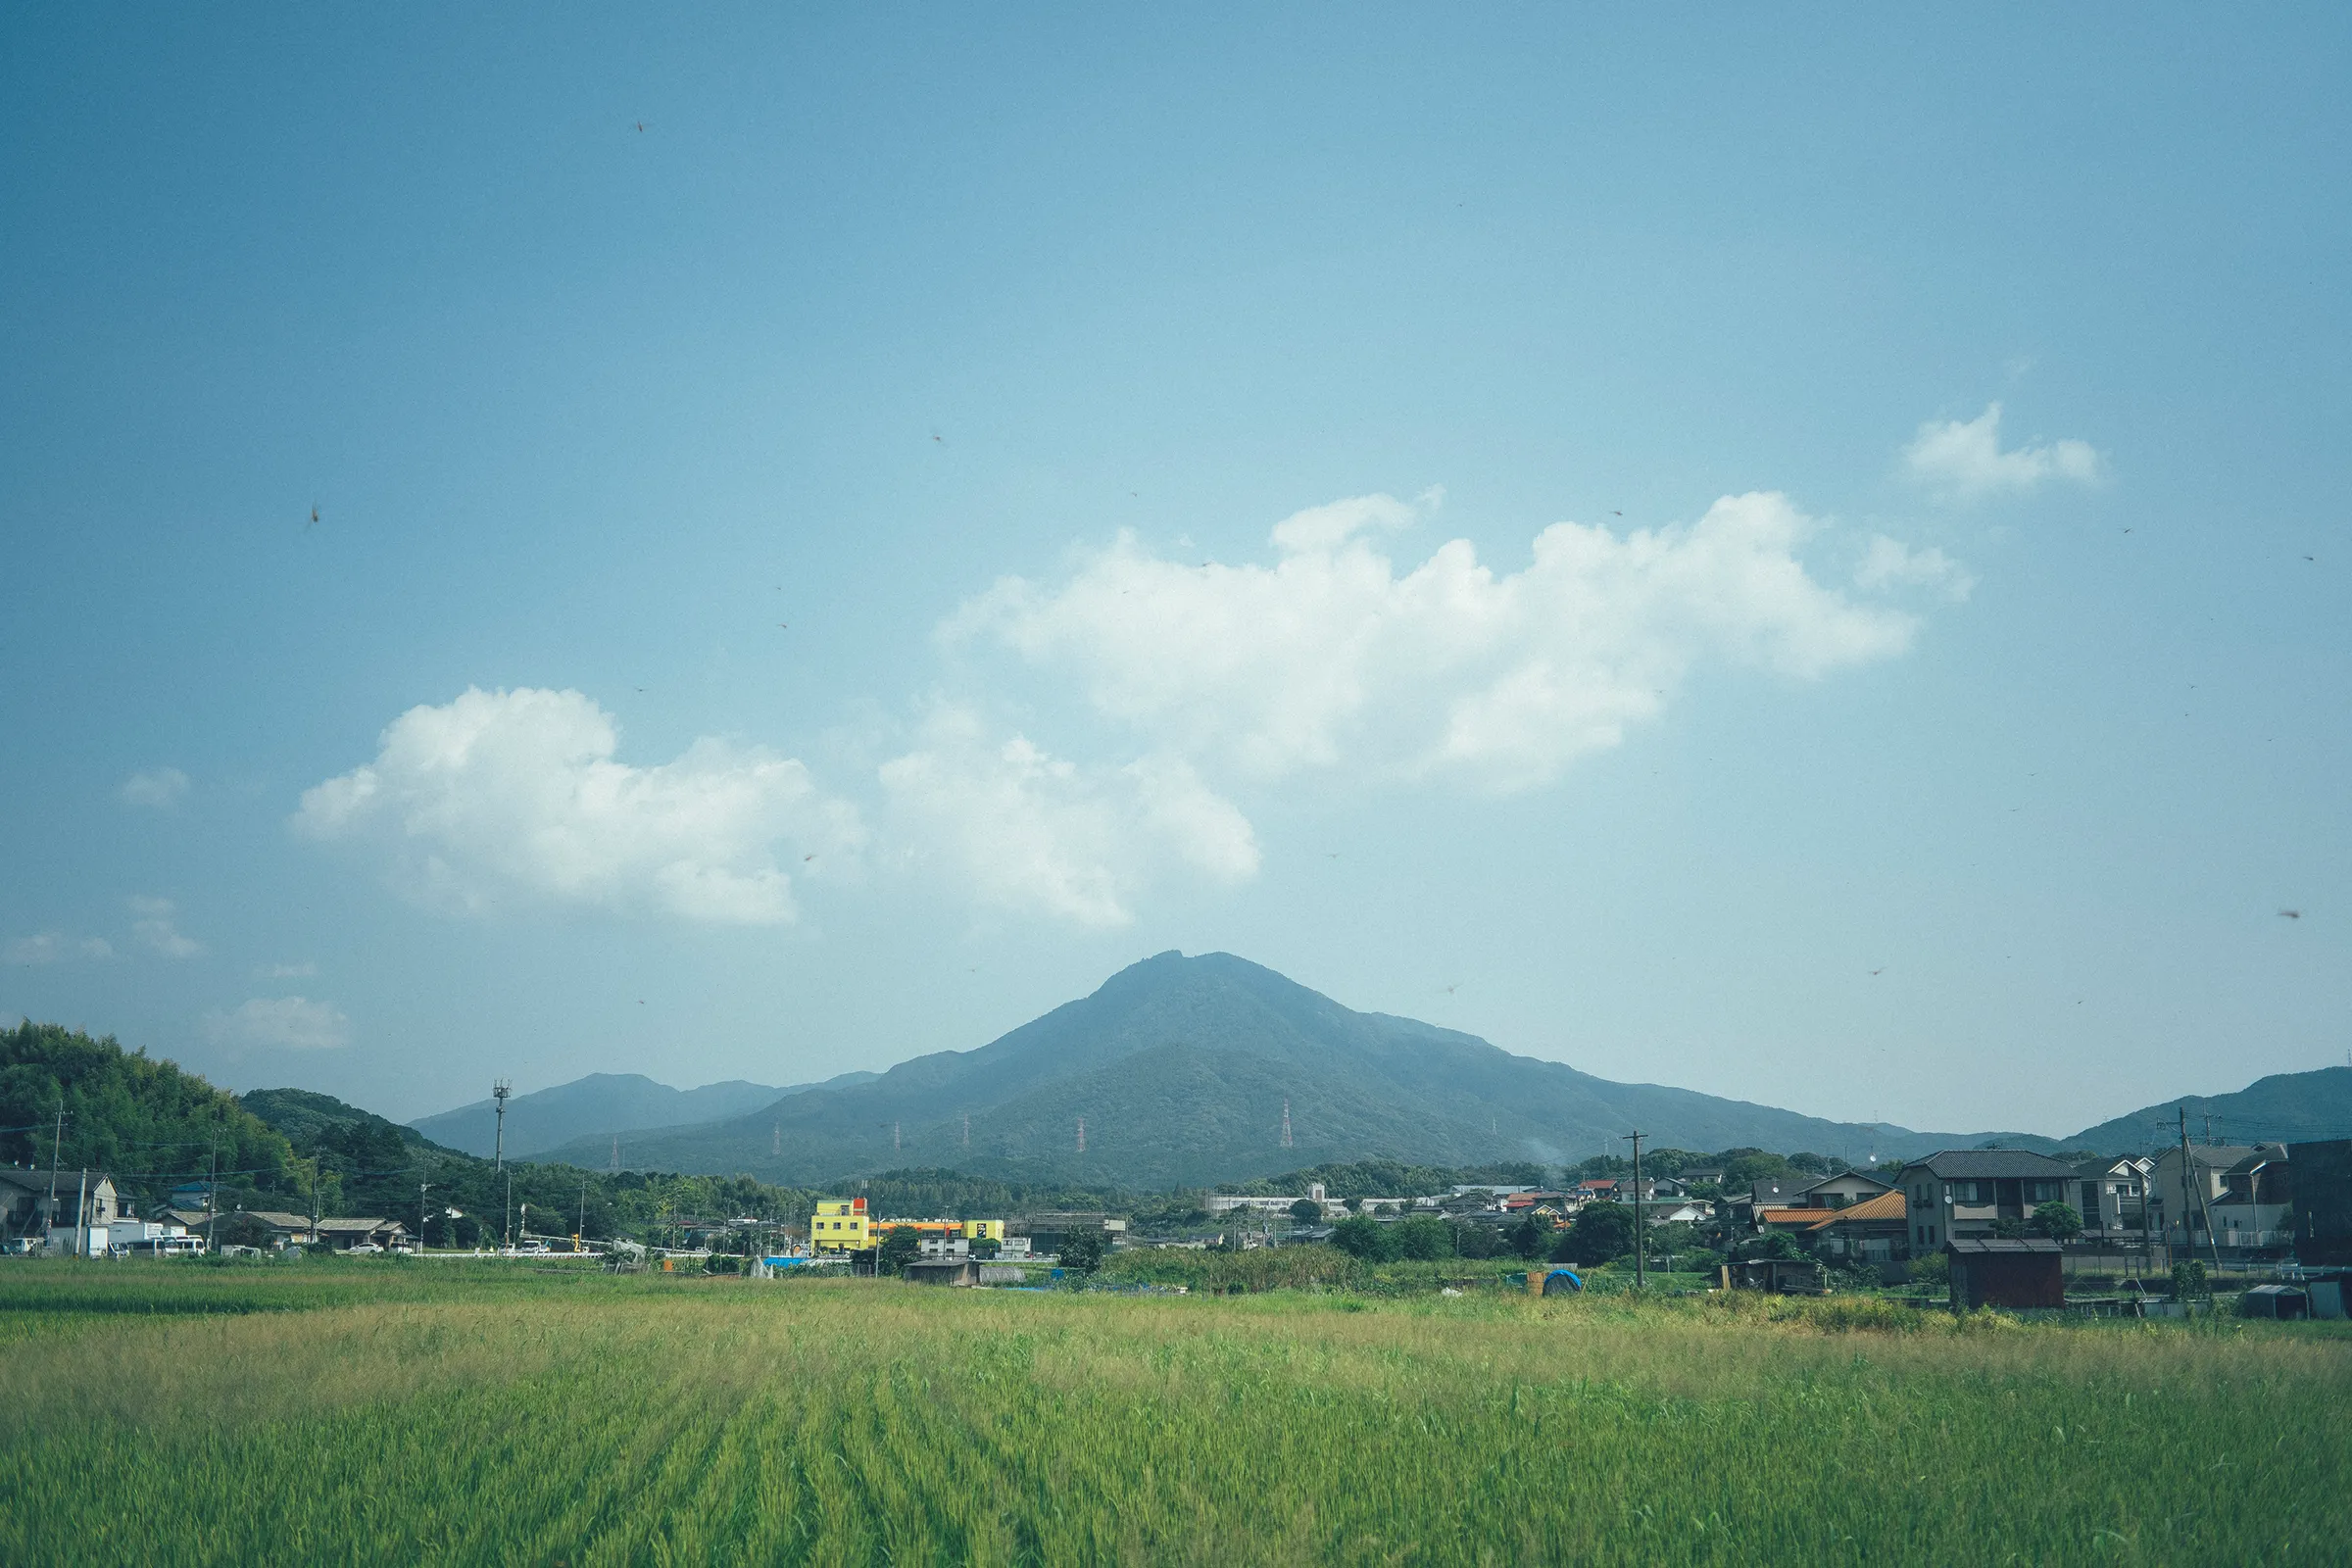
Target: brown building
[1989,1271]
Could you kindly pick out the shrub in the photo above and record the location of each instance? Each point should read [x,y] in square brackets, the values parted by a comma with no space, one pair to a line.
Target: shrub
[1082,1251]
[1603,1231]
[900,1247]
[1360,1236]
[1424,1236]
[2058,1220]
[1306,1212]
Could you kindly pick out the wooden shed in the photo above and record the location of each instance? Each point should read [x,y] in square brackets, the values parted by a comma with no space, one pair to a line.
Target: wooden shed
[943,1271]
[1993,1271]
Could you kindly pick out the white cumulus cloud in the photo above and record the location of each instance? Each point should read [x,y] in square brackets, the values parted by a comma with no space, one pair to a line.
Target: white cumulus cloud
[159,788]
[54,947]
[279,1023]
[1333,656]
[1891,564]
[517,795]
[156,922]
[1964,459]
[1026,831]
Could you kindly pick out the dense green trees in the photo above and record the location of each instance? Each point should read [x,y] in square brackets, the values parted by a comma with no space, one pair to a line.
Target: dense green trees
[2059,1221]
[1601,1232]
[144,1121]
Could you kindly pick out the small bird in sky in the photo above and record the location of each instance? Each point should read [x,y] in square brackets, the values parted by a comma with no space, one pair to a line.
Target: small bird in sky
[1451,989]
[783,625]
[641,688]
[2290,915]
[1616,513]
[2311,557]
[1878,971]
[805,858]
[313,522]
[640,128]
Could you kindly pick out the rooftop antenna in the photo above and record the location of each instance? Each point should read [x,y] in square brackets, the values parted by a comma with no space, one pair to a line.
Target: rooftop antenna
[499,1091]
[1285,1124]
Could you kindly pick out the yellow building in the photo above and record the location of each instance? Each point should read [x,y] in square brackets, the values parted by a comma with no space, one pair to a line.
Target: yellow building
[844,1225]
[840,1225]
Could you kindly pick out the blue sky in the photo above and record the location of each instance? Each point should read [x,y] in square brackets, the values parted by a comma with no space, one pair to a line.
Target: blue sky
[1790,553]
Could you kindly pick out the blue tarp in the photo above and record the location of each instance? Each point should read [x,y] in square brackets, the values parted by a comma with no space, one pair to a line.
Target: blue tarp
[1560,1281]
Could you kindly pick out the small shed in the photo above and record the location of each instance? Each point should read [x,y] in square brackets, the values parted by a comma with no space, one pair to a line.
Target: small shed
[943,1271]
[1781,1276]
[2000,1271]
[2275,1300]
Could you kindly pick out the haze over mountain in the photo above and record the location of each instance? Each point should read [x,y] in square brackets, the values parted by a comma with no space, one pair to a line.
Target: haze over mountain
[600,1105]
[1181,1069]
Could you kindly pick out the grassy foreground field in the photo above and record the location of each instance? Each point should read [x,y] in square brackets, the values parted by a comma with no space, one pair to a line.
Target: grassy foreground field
[357,1412]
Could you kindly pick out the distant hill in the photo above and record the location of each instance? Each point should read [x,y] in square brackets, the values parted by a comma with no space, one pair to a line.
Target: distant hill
[139,1117]
[1180,1068]
[2284,1107]
[602,1104]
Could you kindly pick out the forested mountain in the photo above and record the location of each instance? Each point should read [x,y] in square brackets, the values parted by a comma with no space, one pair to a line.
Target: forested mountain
[143,1121]
[2284,1107]
[602,1105]
[1180,1070]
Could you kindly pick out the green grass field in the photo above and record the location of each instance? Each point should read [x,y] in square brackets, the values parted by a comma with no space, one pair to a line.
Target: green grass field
[396,1412]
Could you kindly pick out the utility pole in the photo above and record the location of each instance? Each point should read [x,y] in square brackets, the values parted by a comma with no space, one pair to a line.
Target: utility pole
[212,1193]
[1640,1249]
[56,1141]
[423,1187]
[506,1224]
[499,1091]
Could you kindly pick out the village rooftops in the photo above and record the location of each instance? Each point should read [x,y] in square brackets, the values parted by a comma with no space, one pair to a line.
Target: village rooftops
[1981,1164]
[1887,1206]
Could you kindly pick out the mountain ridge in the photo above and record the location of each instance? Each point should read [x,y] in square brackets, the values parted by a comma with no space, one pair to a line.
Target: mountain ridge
[601,1105]
[1182,1068]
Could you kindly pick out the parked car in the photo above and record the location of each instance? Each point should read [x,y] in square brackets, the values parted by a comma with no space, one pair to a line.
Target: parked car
[363,1247]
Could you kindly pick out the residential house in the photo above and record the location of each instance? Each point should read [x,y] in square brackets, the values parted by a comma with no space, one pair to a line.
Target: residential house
[1677,1211]
[345,1234]
[1694,1175]
[2255,1212]
[258,1227]
[25,1201]
[2184,1188]
[2323,1202]
[2112,1197]
[1876,1230]
[1803,1201]
[1966,1193]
